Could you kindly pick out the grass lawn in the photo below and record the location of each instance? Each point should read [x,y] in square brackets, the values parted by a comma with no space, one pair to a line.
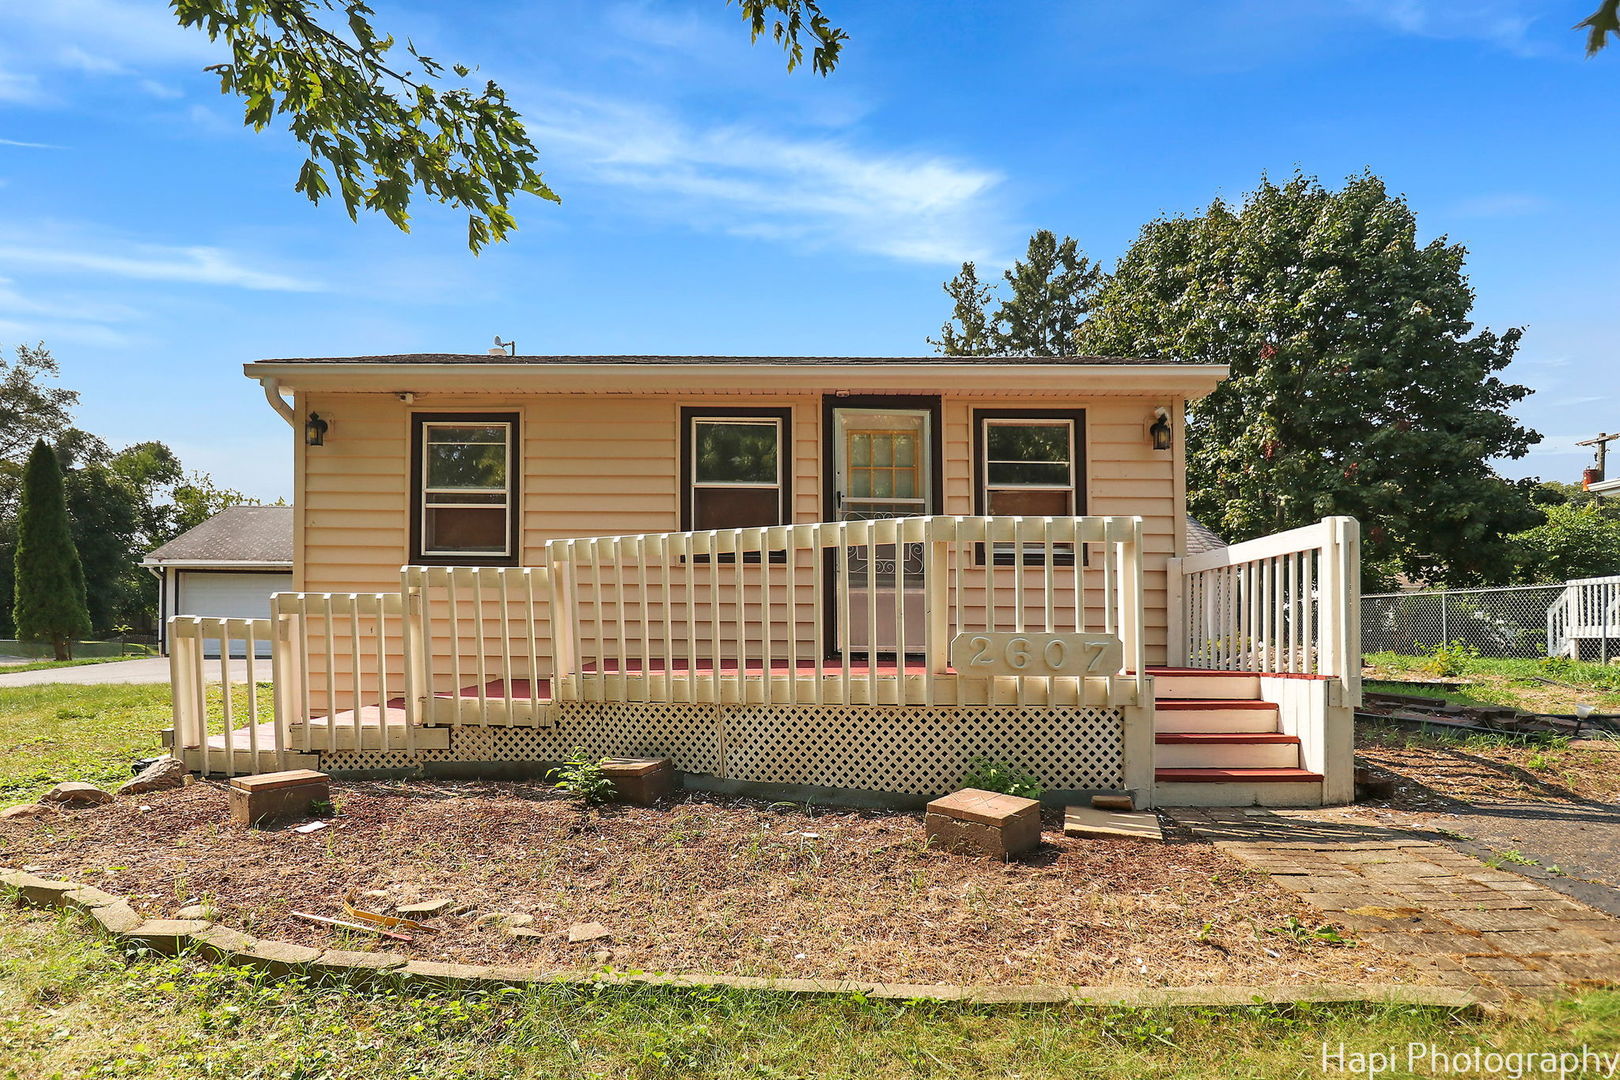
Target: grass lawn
[1584,769]
[59,731]
[74,1007]
[51,665]
[1530,685]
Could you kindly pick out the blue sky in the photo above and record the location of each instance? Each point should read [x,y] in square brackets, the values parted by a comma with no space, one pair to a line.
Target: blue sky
[714,203]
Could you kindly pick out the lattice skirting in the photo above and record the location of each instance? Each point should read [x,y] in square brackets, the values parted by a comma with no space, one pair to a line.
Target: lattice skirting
[907,750]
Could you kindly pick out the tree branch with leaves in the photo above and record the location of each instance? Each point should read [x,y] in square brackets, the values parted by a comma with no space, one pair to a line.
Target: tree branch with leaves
[379,132]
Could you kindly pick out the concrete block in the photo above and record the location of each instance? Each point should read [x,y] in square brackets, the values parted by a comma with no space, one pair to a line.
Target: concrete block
[270,797]
[984,823]
[640,781]
[167,936]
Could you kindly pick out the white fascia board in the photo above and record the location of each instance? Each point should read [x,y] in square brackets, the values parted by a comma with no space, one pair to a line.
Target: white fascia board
[213,564]
[1190,381]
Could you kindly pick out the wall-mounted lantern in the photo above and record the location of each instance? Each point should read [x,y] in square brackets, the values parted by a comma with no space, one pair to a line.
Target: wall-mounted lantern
[315,430]
[1160,431]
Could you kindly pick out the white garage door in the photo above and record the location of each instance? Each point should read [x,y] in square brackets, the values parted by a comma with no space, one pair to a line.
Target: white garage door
[229,595]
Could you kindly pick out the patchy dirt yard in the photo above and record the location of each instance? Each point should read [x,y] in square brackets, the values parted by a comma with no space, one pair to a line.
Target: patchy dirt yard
[705,884]
[1438,771]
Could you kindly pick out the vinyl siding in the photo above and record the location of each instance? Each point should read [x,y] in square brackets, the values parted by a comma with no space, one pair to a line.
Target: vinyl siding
[608,465]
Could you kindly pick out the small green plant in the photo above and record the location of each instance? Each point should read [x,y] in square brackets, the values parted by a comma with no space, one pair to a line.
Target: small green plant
[1304,934]
[583,778]
[1446,660]
[1539,761]
[1511,855]
[988,775]
[1557,666]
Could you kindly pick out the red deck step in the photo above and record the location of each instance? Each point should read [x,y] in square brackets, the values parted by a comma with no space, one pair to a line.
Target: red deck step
[1171,704]
[1236,776]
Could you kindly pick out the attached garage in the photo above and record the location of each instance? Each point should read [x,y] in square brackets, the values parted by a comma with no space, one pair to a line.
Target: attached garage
[227,567]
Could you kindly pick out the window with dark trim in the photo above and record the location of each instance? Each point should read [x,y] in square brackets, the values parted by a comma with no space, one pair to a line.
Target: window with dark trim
[734,468]
[464,489]
[1029,463]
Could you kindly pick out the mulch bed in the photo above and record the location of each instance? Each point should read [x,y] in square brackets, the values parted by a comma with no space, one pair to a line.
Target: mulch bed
[703,884]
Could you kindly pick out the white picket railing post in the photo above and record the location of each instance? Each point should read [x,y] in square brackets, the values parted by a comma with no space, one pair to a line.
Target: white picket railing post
[1342,609]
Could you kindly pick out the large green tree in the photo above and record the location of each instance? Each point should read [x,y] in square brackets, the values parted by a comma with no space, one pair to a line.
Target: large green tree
[1358,383]
[379,127]
[120,505]
[1579,536]
[32,405]
[50,600]
[1049,292]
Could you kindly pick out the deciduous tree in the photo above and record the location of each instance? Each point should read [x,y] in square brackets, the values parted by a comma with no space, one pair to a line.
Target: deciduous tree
[1574,541]
[1358,383]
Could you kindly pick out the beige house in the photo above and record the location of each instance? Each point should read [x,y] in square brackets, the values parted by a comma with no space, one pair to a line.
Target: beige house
[823,574]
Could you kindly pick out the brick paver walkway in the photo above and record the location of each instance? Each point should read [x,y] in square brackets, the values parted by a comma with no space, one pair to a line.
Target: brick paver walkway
[1460,921]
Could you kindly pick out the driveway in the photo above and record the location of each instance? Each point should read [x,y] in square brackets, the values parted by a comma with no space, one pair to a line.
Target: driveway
[153,669]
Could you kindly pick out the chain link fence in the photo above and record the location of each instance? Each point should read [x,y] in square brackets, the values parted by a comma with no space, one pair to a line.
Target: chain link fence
[1509,622]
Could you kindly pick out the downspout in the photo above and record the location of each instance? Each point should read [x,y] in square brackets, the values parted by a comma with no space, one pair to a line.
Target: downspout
[163,604]
[272,394]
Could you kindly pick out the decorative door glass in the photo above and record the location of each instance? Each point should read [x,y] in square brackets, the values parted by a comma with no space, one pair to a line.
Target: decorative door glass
[882,470]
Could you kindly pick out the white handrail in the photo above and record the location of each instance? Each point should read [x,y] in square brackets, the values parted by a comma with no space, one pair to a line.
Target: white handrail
[194,717]
[1287,603]
[1587,610]
[753,613]
[481,628]
[338,687]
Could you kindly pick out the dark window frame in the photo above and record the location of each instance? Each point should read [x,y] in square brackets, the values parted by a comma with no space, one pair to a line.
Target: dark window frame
[783,415]
[514,471]
[1081,478]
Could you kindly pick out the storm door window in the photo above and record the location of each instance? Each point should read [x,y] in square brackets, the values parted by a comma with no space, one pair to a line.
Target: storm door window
[736,470]
[466,494]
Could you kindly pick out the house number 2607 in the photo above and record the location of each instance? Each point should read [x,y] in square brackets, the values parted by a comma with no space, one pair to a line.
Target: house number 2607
[990,654]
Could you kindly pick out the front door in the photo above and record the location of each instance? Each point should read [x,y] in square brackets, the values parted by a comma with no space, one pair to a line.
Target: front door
[882,468]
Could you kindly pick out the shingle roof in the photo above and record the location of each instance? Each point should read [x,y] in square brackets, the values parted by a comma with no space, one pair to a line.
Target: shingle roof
[240,534]
[1201,538]
[876,361]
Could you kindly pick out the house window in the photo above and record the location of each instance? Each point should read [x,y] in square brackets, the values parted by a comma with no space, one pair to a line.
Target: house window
[466,488]
[734,474]
[1030,464]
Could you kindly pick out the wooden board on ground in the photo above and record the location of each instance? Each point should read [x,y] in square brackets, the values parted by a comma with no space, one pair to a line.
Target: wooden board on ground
[1135,825]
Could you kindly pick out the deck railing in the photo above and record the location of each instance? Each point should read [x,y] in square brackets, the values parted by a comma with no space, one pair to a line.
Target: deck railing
[237,737]
[897,611]
[1587,611]
[850,612]
[1287,603]
[342,671]
[478,644]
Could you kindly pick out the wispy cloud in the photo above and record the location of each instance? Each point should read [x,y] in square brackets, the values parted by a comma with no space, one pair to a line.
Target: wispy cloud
[1506,24]
[31,145]
[19,87]
[817,192]
[1500,205]
[191,265]
[108,39]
